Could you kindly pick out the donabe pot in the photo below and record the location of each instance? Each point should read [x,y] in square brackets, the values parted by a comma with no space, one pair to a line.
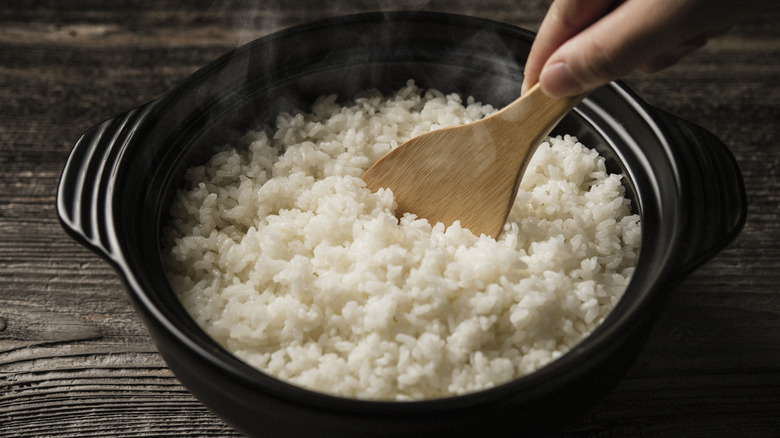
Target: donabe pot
[119,181]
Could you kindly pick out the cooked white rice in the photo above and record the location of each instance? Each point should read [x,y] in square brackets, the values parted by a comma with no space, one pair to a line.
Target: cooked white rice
[283,256]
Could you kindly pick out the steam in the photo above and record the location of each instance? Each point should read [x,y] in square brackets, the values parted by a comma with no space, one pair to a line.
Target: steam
[247,20]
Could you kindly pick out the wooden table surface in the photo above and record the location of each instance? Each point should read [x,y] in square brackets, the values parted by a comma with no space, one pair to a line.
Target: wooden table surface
[75,360]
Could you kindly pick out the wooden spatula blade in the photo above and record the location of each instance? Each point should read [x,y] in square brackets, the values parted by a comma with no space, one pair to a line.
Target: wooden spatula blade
[469,173]
[450,180]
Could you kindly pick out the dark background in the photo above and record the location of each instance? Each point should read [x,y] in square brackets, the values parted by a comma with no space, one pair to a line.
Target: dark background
[75,360]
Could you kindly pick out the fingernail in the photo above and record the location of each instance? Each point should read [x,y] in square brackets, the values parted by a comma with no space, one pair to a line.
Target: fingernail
[557,81]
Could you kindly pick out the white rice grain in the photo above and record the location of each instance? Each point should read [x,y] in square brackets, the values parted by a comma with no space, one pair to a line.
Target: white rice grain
[283,256]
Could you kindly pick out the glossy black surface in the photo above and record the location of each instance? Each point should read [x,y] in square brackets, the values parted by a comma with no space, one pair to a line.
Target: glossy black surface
[119,181]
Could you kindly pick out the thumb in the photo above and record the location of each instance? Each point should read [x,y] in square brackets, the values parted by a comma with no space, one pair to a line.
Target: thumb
[612,47]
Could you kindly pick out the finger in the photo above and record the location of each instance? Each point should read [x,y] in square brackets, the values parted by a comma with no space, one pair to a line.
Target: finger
[632,33]
[615,45]
[564,19]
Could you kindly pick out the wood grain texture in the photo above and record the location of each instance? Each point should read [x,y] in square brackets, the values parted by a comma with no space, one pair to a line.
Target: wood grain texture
[75,360]
[470,173]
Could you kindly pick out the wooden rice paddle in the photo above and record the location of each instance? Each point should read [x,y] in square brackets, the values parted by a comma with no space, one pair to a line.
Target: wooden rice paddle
[470,172]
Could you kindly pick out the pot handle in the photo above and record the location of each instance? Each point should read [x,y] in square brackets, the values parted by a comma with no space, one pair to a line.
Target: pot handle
[85,191]
[711,187]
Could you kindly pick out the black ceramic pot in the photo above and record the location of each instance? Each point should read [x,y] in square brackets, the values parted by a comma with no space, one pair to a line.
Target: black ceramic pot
[122,174]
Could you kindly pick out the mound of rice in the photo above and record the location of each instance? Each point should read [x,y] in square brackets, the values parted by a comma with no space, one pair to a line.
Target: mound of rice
[283,256]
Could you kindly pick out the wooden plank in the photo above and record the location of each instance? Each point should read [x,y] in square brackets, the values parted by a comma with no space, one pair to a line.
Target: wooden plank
[75,359]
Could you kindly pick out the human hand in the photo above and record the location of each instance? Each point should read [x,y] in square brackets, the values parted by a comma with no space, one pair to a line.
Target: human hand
[583,44]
